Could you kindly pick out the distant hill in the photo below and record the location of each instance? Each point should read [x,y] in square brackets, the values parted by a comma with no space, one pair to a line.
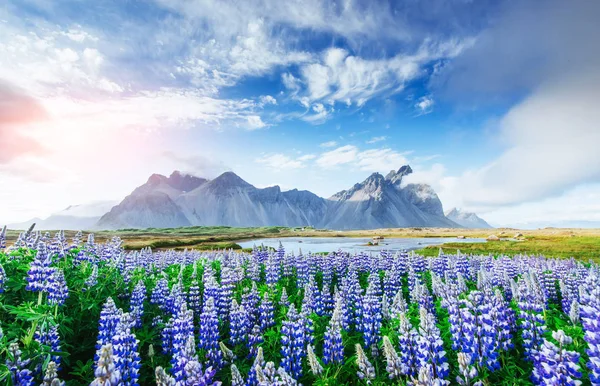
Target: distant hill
[74,217]
[184,200]
[467,219]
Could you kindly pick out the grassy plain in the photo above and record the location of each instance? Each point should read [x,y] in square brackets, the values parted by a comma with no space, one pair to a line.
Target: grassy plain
[559,242]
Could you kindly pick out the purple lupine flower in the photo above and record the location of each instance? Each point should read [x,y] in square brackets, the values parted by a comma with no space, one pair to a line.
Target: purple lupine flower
[272,269]
[58,292]
[292,343]
[162,378]
[20,375]
[326,298]
[160,293]
[503,318]
[40,271]
[371,316]
[283,300]
[136,304]
[106,373]
[254,339]
[238,323]
[407,338]
[223,301]
[589,310]
[107,325]
[48,336]
[366,371]
[198,377]
[209,334]
[125,350]
[430,348]
[302,270]
[180,327]
[555,365]
[333,347]
[266,317]
[175,298]
[236,377]
[2,278]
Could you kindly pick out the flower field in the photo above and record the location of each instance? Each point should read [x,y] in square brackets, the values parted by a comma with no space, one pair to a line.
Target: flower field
[77,312]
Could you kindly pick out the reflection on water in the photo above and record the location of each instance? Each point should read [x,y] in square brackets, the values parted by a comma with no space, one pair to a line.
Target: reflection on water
[352,244]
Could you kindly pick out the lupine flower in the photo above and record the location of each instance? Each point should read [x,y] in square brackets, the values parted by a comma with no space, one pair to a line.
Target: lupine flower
[407,337]
[209,334]
[236,377]
[40,271]
[238,324]
[160,293]
[57,289]
[366,371]
[313,362]
[555,365]
[198,377]
[136,305]
[292,343]
[466,370]
[394,365]
[371,316]
[259,362]
[284,379]
[125,350]
[533,324]
[106,372]
[92,280]
[430,346]
[181,335]
[48,336]
[254,339]
[51,376]
[2,278]
[162,378]
[250,302]
[590,309]
[333,347]
[283,300]
[20,375]
[3,238]
[266,311]
[107,325]
[480,338]
[194,299]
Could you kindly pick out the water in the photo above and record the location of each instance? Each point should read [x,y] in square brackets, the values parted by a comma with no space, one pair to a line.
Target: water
[352,244]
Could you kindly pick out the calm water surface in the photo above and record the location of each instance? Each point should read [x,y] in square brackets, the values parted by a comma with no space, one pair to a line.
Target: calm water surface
[352,244]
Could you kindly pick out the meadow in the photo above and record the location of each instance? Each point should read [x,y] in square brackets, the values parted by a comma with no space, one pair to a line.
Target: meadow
[80,311]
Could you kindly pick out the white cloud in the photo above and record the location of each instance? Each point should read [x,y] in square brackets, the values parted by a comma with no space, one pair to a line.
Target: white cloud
[307,157]
[255,122]
[267,100]
[340,156]
[281,162]
[328,144]
[377,139]
[424,105]
[380,160]
[319,115]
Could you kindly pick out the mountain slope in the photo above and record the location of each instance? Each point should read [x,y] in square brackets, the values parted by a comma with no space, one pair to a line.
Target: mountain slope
[181,200]
[467,219]
[74,217]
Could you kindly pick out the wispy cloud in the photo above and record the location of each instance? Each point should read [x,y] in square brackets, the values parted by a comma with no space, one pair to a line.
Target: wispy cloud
[328,144]
[424,105]
[377,139]
[282,162]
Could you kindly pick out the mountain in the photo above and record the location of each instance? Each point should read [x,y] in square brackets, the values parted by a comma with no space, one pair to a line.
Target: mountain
[382,202]
[183,200]
[74,217]
[467,219]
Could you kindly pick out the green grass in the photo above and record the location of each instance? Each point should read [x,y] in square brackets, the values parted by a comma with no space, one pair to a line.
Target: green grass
[580,247]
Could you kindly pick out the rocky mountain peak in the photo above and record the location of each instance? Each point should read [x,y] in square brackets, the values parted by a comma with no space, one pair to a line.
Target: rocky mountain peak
[395,177]
[466,219]
[184,182]
[229,180]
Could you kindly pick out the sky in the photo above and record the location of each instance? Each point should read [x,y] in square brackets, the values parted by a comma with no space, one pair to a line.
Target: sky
[493,103]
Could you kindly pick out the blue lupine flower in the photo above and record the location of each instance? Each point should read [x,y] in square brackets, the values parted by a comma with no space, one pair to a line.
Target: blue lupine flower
[194,298]
[555,365]
[51,376]
[107,325]
[162,378]
[236,377]
[371,316]
[136,305]
[394,366]
[480,338]
[160,293]
[467,371]
[503,318]
[238,324]
[20,375]
[223,301]
[258,363]
[3,238]
[366,371]
[313,362]
[283,300]
[57,289]
[106,373]
[40,271]
[209,334]
[533,324]
[333,347]
[408,339]
[254,339]
[2,278]
[250,301]
[125,350]
[92,280]
[48,336]
[589,310]
[430,348]
[266,317]
[292,343]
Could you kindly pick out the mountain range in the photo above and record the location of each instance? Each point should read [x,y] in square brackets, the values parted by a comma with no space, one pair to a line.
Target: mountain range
[467,219]
[185,200]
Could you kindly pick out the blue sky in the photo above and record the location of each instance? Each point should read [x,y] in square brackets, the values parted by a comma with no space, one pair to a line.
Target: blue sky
[493,103]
